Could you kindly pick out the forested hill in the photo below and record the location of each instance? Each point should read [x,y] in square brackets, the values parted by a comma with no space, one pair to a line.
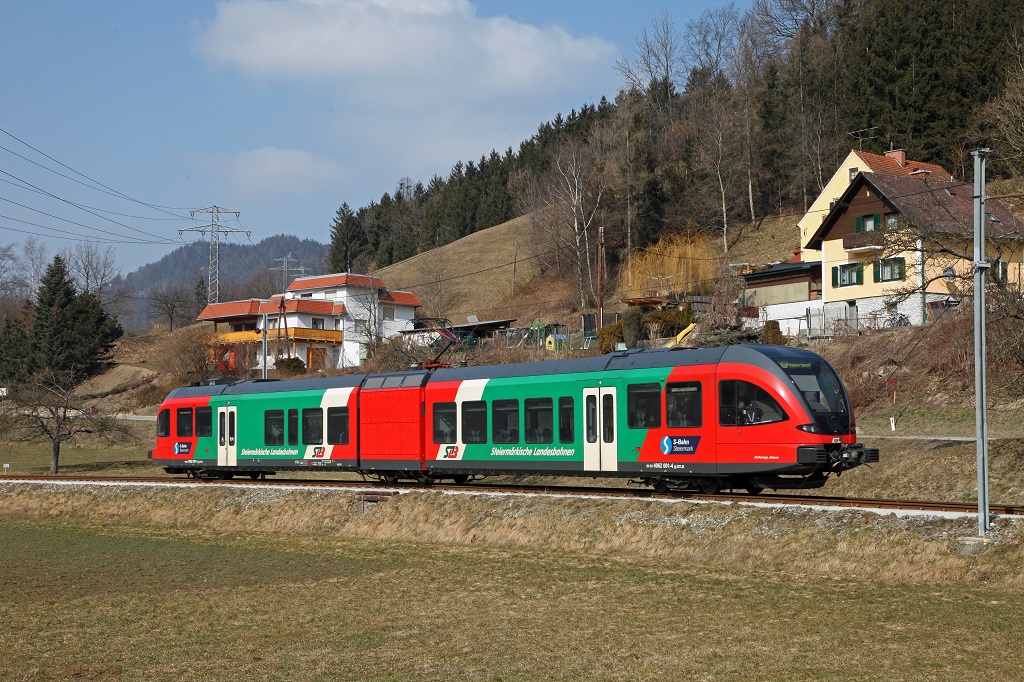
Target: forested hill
[730,118]
[245,269]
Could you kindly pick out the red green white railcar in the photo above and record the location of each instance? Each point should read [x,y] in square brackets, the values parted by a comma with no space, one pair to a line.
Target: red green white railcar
[750,417]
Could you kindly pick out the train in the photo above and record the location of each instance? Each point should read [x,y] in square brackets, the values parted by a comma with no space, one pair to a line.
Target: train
[750,418]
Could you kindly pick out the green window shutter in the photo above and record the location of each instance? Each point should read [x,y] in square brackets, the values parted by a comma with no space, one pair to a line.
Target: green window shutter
[860,224]
[876,270]
[860,273]
[901,264]
[878,221]
[835,276]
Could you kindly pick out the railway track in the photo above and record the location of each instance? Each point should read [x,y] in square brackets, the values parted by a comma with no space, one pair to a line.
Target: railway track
[372,491]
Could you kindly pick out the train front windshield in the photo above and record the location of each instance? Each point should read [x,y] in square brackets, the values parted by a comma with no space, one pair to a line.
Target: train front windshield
[821,388]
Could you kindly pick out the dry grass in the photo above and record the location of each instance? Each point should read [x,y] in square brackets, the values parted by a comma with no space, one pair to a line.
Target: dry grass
[473,275]
[207,584]
[678,263]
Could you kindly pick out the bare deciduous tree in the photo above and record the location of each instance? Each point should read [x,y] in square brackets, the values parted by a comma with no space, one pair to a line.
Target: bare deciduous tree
[46,409]
[36,258]
[169,303]
[92,267]
[567,199]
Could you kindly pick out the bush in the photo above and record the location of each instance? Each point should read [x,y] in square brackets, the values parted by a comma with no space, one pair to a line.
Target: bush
[609,336]
[772,334]
[291,366]
[632,327]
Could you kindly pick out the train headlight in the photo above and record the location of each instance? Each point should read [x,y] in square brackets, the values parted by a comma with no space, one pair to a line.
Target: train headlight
[809,428]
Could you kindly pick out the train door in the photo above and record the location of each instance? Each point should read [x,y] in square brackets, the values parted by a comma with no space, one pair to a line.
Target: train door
[600,440]
[227,442]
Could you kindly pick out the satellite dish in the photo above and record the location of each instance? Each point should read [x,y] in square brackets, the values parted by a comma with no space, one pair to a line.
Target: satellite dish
[472,319]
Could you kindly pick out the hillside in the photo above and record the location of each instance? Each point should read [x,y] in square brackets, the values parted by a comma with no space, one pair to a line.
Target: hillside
[473,275]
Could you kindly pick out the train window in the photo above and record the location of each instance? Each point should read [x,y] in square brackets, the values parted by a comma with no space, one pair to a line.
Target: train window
[204,422]
[540,420]
[184,419]
[444,422]
[643,406]
[293,427]
[163,424]
[505,421]
[591,418]
[337,425]
[373,382]
[608,417]
[221,431]
[393,382]
[566,420]
[683,404]
[312,426]
[474,421]
[742,403]
[273,427]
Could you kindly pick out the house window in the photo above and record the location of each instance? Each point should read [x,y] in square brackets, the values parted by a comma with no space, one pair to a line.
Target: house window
[310,295]
[999,271]
[868,223]
[389,312]
[318,323]
[847,274]
[949,273]
[892,221]
[853,173]
[890,270]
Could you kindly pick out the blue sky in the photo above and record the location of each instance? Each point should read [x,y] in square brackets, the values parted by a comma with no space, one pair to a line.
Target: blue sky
[279,109]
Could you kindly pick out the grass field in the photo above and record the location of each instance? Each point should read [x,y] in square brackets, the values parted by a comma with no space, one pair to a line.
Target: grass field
[206,584]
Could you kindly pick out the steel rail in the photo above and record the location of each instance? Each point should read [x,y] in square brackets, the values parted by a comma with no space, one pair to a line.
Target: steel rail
[382,491]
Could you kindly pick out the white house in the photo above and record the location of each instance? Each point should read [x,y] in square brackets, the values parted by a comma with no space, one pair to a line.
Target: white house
[327,321]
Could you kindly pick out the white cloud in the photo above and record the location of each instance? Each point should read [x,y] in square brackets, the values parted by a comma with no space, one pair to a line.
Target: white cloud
[417,84]
[397,46]
[269,171]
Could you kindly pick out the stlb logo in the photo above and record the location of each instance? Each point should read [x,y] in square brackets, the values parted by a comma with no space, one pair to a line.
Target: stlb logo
[451,452]
[318,451]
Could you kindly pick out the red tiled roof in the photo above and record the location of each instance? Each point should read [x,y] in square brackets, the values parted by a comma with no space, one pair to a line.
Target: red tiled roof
[401,298]
[304,305]
[220,311]
[885,165]
[336,280]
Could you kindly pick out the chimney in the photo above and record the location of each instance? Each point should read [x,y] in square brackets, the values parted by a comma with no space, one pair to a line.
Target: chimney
[899,156]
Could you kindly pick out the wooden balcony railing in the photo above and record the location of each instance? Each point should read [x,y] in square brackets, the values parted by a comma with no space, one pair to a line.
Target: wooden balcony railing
[324,336]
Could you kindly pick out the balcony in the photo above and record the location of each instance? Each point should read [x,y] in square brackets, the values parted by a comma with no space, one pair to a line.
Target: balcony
[328,337]
[863,241]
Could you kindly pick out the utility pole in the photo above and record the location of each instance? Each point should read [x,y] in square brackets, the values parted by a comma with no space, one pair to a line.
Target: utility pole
[600,277]
[215,229]
[981,266]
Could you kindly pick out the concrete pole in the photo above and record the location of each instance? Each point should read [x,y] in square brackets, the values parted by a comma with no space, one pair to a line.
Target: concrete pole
[981,266]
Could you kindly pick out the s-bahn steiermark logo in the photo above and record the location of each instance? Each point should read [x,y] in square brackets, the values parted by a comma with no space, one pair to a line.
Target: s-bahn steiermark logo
[182,448]
[679,445]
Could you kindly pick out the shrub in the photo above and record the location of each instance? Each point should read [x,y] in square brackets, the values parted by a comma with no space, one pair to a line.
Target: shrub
[772,334]
[291,366]
[632,327]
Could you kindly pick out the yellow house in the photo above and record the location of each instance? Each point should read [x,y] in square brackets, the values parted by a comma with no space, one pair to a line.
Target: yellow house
[894,162]
[899,249]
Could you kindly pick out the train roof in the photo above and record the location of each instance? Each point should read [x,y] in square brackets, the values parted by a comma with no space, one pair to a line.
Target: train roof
[763,356]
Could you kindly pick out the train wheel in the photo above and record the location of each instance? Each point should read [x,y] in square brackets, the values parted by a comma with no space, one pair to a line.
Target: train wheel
[710,486]
[460,479]
[660,486]
[389,478]
[226,475]
[753,489]
[255,477]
